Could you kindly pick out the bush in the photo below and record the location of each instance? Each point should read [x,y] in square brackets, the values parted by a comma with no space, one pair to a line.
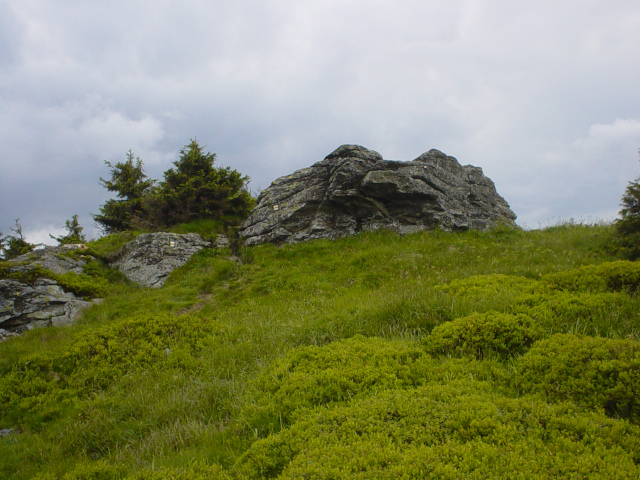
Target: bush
[318,376]
[482,293]
[481,334]
[597,314]
[597,373]
[451,431]
[620,276]
[88,471]
[197,471]
[42,386]
[88,286]
[489,285]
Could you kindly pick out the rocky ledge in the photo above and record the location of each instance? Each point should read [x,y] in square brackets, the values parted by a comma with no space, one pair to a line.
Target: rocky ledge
[354,189]
[28,300]
[31,297]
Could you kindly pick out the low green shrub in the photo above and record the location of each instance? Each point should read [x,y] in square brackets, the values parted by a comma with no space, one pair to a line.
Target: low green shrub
[86,286]
[482,334]
[453,431]
[489,285]
[108,247]
[599,373]
[597,314]
[95,282]
[318,376]
[101,470]
[88,471]
[594,299]
[196,471]
[40,387]
[28,275]
[620,276]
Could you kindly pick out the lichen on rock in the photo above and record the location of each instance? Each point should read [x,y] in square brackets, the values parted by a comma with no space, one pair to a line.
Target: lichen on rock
[354,189]
[150,258]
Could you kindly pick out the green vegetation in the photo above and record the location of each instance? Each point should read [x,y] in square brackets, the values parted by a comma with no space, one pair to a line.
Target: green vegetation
[130,184]
[193,190]
[504,354]
[628,225]
[74,233]
[12,246]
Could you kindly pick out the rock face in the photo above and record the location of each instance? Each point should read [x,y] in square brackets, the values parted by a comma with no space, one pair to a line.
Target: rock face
[40,302]
[150,258]
[353,189]
[29,300]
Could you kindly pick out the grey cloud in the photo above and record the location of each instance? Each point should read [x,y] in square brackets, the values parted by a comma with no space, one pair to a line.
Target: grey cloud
[271,86]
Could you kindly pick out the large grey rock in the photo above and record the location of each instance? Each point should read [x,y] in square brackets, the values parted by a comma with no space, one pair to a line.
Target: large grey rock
[353,189]
[150,258]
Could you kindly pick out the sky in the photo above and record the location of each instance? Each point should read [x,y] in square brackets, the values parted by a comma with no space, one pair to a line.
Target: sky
[544,95]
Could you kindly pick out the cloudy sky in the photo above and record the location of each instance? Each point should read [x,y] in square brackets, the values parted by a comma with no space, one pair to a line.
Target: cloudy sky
[544,95]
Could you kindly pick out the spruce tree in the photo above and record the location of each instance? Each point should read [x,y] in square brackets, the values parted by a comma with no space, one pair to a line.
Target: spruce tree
[15,245]
[628,226]
[130,184]
[74,233]
[194,188]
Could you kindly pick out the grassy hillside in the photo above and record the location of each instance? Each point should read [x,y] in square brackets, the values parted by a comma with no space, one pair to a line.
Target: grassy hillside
[507,354]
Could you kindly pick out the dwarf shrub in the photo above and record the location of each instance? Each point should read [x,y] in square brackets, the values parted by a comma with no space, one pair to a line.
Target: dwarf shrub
[196,471]
[620,276]
[598,314]
[599,373]
[88,471]
[318,376]
[87,286]
[484,285]
[41,386]
[451,431]
[480,334]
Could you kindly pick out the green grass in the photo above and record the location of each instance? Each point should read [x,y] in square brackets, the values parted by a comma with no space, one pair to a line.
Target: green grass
[264,349]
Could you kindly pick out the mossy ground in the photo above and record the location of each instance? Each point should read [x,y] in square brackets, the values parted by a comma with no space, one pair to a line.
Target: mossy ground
[228,369]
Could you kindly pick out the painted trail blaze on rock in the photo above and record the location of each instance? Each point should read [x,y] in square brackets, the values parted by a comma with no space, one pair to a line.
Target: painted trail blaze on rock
[354,189]
[150,258]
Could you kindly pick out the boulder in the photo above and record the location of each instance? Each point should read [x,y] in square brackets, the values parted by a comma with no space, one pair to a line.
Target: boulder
[150,258]
[354,189]
[29,299]
[39,303]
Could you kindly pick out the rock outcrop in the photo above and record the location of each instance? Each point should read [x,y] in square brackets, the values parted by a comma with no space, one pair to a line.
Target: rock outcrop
[149,259]
[30,298]
[354,189]
[28,301]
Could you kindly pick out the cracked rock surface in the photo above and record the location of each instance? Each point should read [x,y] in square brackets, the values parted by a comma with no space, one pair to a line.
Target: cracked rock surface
[149,259]
[354,189]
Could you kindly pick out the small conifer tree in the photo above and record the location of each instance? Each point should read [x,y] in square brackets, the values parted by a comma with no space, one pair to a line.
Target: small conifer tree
[628,226]
[74,233]
[15,245]
[130,184]
[196,189]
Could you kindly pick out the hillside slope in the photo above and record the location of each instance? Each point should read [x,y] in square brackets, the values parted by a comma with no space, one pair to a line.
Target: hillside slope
[504,354]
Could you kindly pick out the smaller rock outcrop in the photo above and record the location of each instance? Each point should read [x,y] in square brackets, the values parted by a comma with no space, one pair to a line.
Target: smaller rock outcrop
[354,189]
[28,299]
[150,258]
[54,259]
